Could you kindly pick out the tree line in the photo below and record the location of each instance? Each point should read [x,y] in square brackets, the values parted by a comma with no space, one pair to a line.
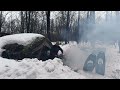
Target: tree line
[63,26]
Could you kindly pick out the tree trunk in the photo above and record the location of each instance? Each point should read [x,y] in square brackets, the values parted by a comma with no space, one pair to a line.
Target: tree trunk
[78,29]
[26,17]
[28,21]
[28,26]
[88,17]
[48,24]
[31,21]
[92,17]
[0,21]
[22,22]
[67,28]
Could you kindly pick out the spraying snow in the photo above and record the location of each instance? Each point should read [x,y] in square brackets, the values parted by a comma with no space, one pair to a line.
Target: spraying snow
[77,54]
[70,68]
[106,31]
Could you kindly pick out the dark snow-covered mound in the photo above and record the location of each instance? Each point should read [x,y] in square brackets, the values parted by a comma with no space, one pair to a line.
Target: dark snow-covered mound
[26,45]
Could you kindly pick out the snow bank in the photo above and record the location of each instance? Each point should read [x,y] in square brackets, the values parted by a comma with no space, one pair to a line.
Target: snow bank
[35,69]
[23,39]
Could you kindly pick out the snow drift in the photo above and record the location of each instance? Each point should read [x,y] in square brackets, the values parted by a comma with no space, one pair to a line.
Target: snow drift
[35,69]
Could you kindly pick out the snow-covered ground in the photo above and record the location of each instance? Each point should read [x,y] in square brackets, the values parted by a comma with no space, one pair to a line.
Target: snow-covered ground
[35,69]
[70,68]
[77,54]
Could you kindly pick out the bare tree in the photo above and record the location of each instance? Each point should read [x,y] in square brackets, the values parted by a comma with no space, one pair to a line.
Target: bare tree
[48,24]
[67,28]
[2,19]
[92,17]
[78,30]
[28,21]
[27,18]
[22,21]
[88,17]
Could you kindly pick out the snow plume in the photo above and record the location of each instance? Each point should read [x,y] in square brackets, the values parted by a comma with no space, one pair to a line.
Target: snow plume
[75,56]
[105,31]
[99,35]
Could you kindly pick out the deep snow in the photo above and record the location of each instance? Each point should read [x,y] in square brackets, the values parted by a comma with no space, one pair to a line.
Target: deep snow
[77,54]
[35,69]
[71,68]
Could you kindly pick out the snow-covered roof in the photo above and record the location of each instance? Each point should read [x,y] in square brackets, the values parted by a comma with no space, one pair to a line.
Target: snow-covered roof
[23,39]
